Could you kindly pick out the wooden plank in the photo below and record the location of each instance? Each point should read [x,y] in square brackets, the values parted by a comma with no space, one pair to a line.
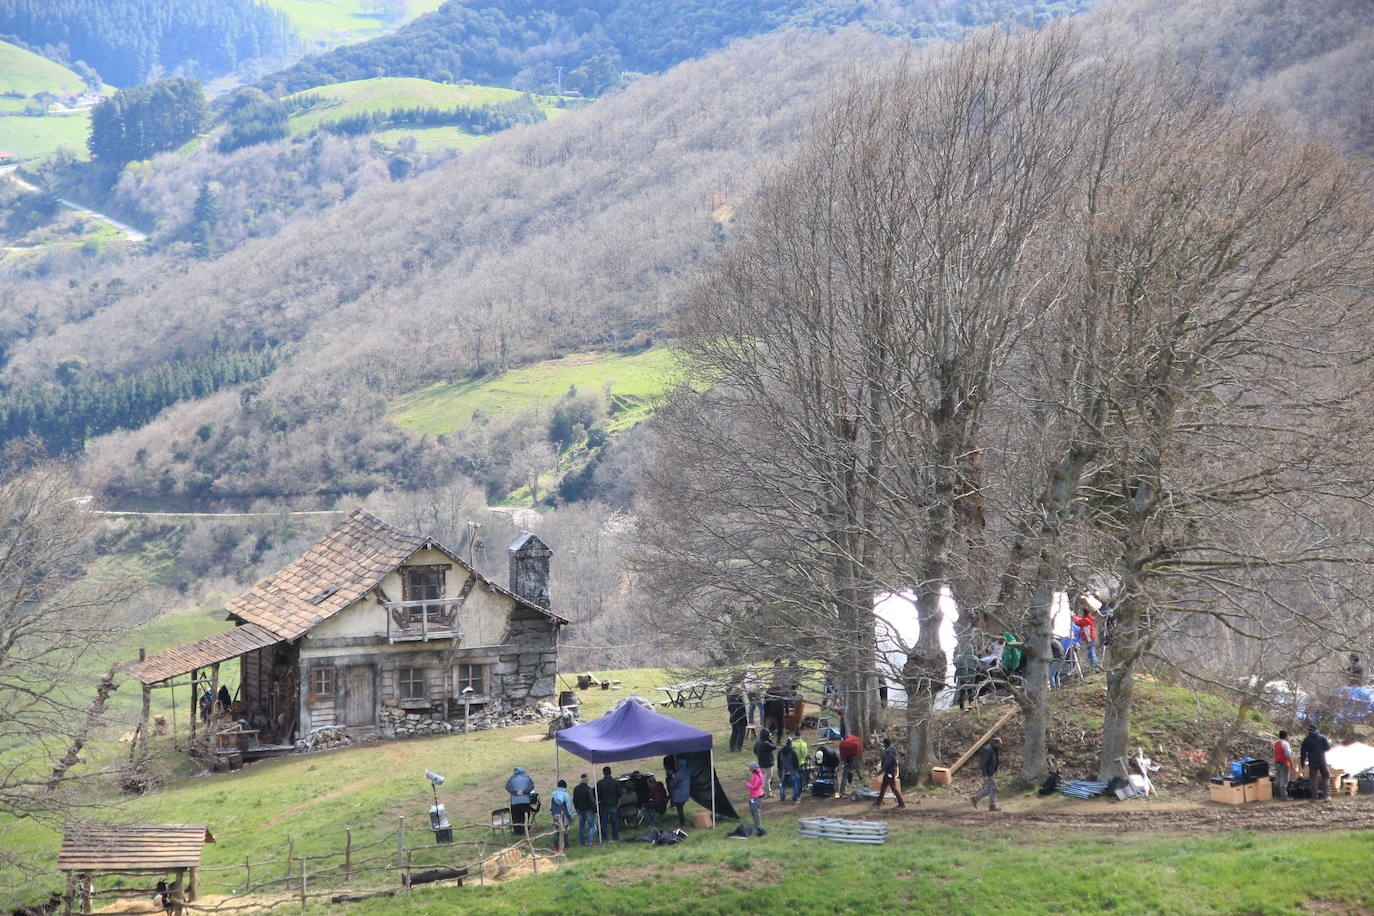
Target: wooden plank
[981,741]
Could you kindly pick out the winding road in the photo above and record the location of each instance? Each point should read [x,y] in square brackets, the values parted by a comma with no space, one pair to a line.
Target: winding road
[10,172]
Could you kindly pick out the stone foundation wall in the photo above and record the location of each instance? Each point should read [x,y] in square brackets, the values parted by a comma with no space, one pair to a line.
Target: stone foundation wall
[410,723]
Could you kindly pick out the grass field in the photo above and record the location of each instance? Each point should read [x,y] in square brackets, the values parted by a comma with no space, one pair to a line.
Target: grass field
[341,100]
[307,803]
[332,22]
[26,72]
[635,380]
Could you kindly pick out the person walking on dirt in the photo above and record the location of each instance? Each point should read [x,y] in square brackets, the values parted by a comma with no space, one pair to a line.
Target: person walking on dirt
[1313,756]
[889,771]
[851,749]
[1283,764]
[988,761]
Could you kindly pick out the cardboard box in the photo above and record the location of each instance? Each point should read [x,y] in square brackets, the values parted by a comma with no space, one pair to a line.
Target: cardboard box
[877,782]
[701,820]
[1227,794]
[940,776]
[1259,790]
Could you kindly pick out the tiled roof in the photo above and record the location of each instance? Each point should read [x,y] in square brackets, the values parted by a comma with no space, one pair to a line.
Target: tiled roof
[95,847]
[335,571]
[200,654]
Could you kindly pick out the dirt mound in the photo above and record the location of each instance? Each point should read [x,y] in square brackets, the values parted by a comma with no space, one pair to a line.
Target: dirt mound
[1174,727]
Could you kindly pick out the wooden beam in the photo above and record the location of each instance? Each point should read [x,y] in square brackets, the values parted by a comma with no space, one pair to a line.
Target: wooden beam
[983,740]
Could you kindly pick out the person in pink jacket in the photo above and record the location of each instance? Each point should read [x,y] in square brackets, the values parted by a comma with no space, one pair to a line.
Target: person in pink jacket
[755,785]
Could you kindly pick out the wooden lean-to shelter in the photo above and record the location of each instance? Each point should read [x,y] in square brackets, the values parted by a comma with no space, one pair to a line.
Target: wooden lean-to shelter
[160,850]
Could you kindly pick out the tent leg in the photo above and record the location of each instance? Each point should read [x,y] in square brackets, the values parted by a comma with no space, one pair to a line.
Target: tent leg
[713,788]
[600,830]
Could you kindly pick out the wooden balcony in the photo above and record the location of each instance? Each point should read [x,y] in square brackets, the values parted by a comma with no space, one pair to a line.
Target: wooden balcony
[421,621]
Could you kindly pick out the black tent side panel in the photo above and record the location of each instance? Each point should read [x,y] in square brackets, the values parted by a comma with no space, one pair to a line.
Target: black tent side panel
[703,779]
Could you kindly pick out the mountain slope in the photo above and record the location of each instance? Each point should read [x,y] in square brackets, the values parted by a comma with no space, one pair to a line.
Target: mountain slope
[525,41]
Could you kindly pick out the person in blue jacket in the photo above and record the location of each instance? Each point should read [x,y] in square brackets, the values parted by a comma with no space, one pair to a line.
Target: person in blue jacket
[519,786]
[560,809]
[680,791]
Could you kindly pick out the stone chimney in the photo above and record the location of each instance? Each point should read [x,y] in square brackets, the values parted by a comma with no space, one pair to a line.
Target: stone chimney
[529,569]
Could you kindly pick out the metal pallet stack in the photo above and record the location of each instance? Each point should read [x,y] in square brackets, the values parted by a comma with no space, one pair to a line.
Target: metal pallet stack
[843,831]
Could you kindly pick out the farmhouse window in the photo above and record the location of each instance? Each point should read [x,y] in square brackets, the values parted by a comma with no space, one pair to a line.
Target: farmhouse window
[474,676]
[424,583]
[410,684]
[322,681]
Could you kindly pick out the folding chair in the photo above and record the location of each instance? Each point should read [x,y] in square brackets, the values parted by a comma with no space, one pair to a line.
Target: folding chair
[501,821]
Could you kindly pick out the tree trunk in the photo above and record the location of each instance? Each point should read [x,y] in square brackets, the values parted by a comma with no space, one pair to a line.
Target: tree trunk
[73,754]
[1127,646]
[1035,700]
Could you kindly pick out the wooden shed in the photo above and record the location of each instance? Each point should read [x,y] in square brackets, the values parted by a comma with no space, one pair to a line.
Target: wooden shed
[132,849]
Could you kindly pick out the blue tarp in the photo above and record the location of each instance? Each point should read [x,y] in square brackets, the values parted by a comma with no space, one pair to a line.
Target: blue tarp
[630,733]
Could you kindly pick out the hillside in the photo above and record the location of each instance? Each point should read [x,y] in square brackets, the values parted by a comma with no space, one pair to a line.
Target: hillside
[1177,854]
[524,43]
[24,74]
[371,103]
[326,23]
[129,41]
[566,236]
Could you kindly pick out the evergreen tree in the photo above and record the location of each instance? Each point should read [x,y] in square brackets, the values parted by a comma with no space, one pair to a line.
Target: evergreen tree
[204,221]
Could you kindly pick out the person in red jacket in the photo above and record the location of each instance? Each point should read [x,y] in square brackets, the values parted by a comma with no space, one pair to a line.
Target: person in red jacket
[1087,631]
[1283,764]
[851,749]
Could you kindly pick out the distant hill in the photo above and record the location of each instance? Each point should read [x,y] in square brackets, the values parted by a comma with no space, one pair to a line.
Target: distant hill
[22,75]
[326,23]
[525,42]
[132,41]
[569,236]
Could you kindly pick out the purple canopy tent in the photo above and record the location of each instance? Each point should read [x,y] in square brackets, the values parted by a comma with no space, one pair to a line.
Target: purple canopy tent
[630,733]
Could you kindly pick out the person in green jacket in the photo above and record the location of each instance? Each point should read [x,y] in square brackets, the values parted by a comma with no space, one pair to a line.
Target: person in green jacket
[1011,653]
[966,672]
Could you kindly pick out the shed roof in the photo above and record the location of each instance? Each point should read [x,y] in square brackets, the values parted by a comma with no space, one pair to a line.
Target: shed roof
[130,847]
[199,654]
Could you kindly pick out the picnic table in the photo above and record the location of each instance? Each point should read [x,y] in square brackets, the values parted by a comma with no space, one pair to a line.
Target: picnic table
[689,694]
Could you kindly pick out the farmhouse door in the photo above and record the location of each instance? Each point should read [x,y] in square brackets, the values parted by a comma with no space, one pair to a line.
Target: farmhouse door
[359,696]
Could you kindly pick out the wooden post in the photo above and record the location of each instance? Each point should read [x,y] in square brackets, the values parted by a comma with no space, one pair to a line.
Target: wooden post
[172,698]
[191,886]
[400,840]
[247,875]
[214,695]
[983,740]
[348,855]
[70,895]
[303,865]
[290,850]
[195,712]
[85,893]
[179,887]
[144,716]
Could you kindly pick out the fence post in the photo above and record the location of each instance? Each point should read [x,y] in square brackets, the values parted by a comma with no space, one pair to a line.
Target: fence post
[400,840]
[247,875]
[348,855]
[290,850]
[303,867]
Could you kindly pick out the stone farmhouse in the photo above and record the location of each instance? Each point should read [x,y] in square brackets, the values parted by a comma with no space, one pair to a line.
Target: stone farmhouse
[378,631]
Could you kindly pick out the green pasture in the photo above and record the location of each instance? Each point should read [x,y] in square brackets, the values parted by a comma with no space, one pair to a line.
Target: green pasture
[26,72]
[633,381]
[334,102]
[33,137]
[334,22]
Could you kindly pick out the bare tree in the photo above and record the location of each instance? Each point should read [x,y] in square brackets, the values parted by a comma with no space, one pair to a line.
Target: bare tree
[53,612]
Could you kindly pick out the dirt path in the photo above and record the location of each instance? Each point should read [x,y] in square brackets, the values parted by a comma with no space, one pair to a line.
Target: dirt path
[1175,813]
